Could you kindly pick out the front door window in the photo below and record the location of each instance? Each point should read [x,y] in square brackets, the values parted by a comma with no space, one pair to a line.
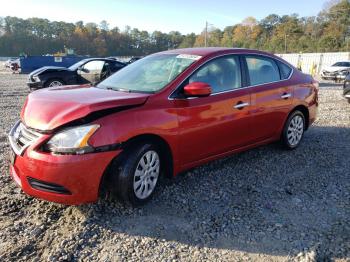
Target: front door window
[91,71]
[222,74]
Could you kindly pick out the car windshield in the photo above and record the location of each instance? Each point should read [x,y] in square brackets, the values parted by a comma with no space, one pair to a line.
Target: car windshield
[343,64]
[149,74]
[76,65]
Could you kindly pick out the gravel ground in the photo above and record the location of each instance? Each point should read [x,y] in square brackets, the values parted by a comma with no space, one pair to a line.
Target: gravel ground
[265,204]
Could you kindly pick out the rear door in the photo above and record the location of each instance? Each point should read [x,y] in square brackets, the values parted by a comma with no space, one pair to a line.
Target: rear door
[220,122]
[271,94]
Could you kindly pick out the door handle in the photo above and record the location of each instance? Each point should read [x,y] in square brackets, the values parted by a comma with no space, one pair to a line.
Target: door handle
[286,95]
[240,105]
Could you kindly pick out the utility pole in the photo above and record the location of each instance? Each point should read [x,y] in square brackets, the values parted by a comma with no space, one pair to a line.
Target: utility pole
[206,34]
[285,43]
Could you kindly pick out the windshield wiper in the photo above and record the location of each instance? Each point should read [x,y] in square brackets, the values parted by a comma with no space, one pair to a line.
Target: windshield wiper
[125,90]
[117,89]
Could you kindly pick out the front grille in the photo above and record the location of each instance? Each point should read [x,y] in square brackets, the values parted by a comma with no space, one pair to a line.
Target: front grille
[326,73]
[47,187]
[21,137]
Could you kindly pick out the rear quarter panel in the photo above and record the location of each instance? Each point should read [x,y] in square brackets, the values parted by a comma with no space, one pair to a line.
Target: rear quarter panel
[306,94]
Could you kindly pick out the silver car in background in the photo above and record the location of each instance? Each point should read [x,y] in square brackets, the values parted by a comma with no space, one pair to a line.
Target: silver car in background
[336,72]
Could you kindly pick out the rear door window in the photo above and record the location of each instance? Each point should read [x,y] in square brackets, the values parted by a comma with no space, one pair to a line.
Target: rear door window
[117,66]
[262,70]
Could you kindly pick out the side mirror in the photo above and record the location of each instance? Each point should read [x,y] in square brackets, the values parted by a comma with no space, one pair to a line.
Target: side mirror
[197,89]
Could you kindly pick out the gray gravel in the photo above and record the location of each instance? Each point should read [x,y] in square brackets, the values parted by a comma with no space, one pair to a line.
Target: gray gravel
[266,204]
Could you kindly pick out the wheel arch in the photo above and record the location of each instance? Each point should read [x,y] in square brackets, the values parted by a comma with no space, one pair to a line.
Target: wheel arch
[48,80]
[305,111]
[164,147]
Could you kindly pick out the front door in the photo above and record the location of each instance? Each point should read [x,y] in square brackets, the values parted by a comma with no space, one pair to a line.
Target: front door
[217,123]
[91,72]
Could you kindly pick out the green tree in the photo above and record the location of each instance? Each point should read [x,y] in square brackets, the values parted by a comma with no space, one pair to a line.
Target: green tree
[188,41]
[227,36]
[328,31]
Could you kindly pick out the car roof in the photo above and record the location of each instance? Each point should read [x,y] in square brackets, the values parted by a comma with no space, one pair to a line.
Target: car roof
[205,51]
[104,59]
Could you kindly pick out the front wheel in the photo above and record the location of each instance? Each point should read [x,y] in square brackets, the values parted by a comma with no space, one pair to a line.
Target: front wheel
[293,130]
[54,83]
[134,176]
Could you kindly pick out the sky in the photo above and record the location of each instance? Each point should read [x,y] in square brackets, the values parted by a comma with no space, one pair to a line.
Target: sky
[185,16]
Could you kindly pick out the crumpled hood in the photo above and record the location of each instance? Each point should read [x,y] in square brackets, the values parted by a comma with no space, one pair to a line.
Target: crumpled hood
[334,68]
[47,69]
[49,108]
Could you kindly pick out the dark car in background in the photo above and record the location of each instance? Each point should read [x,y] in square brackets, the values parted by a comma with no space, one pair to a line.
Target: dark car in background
[91,70]
[346,91]
[134,59]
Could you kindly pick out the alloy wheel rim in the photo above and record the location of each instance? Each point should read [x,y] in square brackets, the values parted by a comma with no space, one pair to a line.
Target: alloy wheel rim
[295,130]
[55,83]
[146,174]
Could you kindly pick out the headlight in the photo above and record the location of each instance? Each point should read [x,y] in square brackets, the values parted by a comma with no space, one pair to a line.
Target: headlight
[344,72]
[347,85]
[36,79]
[72,141]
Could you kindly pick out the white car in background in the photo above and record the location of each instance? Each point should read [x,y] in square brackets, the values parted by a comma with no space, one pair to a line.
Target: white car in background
[336,72]
[10,61]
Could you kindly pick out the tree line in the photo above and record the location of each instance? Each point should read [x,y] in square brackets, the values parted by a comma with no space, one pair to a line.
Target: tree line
[327,32]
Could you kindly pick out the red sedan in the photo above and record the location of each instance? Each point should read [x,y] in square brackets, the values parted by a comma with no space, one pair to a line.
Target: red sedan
[163,114]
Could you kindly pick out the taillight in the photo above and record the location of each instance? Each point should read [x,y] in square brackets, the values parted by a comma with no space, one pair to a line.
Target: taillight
[316,84]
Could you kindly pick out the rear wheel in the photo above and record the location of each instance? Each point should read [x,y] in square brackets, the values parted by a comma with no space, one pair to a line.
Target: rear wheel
[293,130]
[134,175]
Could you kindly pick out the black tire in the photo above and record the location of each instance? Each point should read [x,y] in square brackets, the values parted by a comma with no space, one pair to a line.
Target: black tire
[51,81]
[288,142]
[120,180]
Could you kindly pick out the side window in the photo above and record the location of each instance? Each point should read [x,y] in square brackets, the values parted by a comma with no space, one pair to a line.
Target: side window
[285,70]
[106,70]
[117,66]
[94,67]
[221,74]
[262,70]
